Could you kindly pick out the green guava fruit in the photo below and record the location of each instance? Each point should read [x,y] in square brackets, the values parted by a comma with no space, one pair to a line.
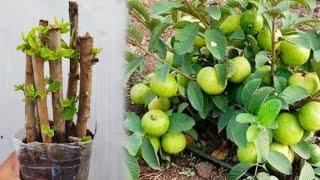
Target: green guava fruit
[155,123]
[138,93]
[168,88]
[182,80]
[208,81]
[289,132]
[315,154]
[265,40]
[199,42]
[242,69]
[309,116]
[169,58]
[230,24]
[251,22]
[283,149]
[265,70]
[292,54]
[173,142]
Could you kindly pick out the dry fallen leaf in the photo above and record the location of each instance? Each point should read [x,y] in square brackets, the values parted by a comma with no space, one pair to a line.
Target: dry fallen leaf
[220,153]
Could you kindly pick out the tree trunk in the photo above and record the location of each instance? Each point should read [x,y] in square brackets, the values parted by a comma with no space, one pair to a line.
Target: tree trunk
[74,64]
[30,116]
[39,81]
[86,57]
[55,66]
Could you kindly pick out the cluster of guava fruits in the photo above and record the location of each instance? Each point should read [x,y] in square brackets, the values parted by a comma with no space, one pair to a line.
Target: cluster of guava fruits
[155,123]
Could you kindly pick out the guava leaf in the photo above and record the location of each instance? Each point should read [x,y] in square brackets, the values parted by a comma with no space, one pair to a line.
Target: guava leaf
[132,122]
[131,67]
[302,149]
[149,155]
[156,34]
[132,167]
[280,83]
[249,88]
[293,94]
[261,58]
[222,73]
[265,176]
[259,96]
[307,172]
[162,72]
[161,49]
[239,131]
[182,107]
[280,162]
[238,171]
[135,32]
[262,143]
[214,12]
[195,96]
[185,38]
[216,43]
[193,133]
[268,113]
[221,101]
[180,122]
[225,118]
[139,7]
[317,171]
[237,35]
[163,7]
[246,118]
[311,4]
[300,40]
[133,143]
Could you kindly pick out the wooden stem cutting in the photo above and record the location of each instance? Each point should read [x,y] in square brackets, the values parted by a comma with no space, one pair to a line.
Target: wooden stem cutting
[39,81]
[74,64]
[86,57]
[30,116]
[55,66]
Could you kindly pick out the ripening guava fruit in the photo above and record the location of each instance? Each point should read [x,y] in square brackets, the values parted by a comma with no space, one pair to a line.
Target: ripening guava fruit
[248,154]
[265,40]
[159,103]
[155,123]
[208,81]
[242,69]
[182,80]
[283,149]
[173,142]
[168,88]
[315,154]
[138,93]
[309,81]
[309,116]
[199,42]
[289,132]
[292,54]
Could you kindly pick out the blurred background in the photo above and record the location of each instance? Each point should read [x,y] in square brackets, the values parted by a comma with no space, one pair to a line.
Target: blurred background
[106,21]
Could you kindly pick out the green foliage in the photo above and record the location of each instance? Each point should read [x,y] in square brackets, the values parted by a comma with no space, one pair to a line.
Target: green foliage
[47,130]
[29,91]
[183,42]
[131,166]
[133,143]
[238,170]
[149,154]
[279,162]
[216,43]
[69,108]
[132,122]
[62,25]
[180,122]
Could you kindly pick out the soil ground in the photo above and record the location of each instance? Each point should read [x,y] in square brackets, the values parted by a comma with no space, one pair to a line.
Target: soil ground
[187,166]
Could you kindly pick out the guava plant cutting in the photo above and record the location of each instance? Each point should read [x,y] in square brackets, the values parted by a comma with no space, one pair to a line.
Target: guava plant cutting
[250,66]
[44,46]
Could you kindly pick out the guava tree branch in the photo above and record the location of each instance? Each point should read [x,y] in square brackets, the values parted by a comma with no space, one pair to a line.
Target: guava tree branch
[301,103]
[195,14]
[55,67]
[39,81]
[74,63]
[132,41]
[30,116]
[86,57]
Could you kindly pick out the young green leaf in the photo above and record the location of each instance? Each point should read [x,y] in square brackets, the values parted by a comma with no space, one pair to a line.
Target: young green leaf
[246,118]
[180,122]
[262,143]
[133,143]
[162,72]
[249,88]
[238,171]
[185,38]
[47,130]
[195,96]
[132,166]
[216,43]
[54,86]
[268,113]
[280,162]
[214,12]
[307,172]
[132,122]
[68,113]
[259,96]
[149,155]
[293,94]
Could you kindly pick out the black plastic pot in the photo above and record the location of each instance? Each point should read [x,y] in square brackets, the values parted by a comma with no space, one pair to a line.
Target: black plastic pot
[39,161]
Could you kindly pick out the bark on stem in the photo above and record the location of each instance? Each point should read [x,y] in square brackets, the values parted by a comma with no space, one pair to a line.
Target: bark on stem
[30,116]
[74,64]
[39,81]
[86,57]
[55,67]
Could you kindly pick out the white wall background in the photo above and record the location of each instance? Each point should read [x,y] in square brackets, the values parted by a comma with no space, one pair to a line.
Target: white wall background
[106,21]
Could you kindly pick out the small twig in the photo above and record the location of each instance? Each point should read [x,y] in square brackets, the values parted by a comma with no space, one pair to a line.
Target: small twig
[131,41]
[313,97]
